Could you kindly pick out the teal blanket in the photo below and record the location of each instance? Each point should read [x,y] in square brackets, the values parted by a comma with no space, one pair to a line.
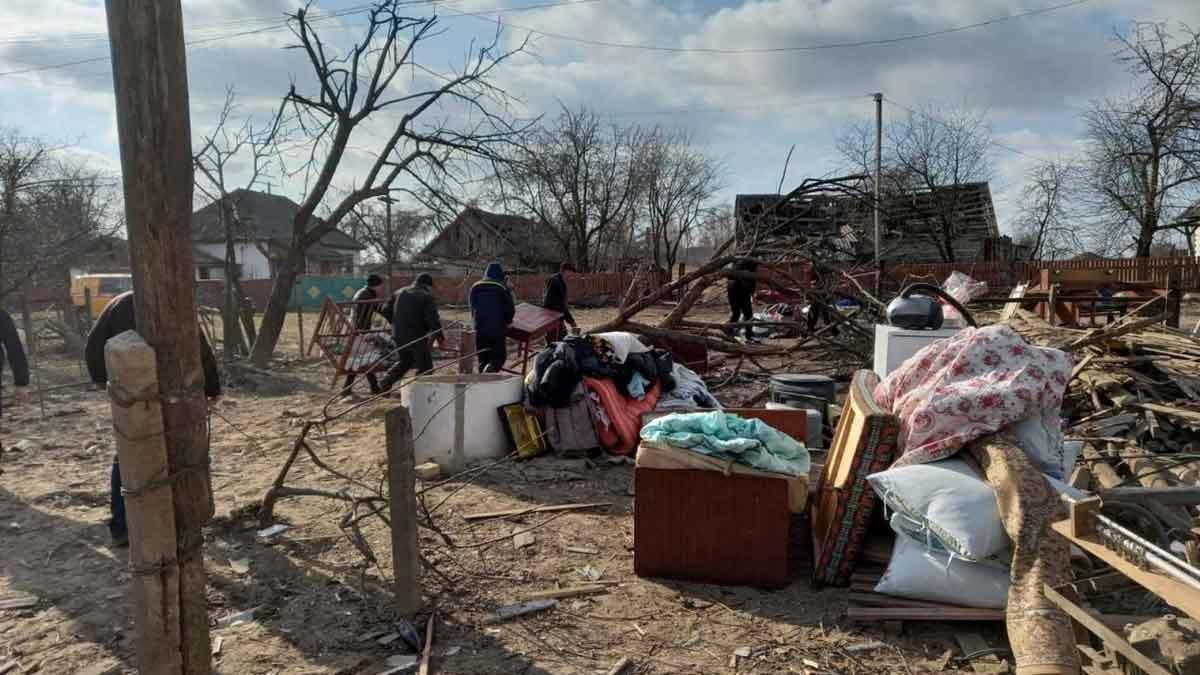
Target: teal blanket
[729,437]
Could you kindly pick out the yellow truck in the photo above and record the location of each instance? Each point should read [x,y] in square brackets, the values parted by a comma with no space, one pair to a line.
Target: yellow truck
[91,292]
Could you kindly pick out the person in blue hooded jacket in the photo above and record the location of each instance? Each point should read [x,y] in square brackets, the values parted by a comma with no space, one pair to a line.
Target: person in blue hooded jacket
[492,309]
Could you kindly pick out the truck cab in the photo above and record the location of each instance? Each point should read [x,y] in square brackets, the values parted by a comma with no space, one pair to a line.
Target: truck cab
[90,293]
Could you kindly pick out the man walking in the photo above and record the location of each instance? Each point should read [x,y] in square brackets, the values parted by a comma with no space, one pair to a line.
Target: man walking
[555,298]
[742,282]
[368,302]
[415,323]
[492,309]
[13,353]
[118,316]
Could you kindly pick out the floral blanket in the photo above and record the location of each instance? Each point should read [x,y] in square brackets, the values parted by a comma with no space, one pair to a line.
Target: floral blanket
[968,386]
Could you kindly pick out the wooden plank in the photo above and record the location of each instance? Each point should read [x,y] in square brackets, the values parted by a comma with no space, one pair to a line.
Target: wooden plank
[1172,592]
[1111,639]
[972,644]
[859,598]
[427,653]
[535,509]
[923,614]
[571,592]
[1010,309]
[1184,496]
[406,563]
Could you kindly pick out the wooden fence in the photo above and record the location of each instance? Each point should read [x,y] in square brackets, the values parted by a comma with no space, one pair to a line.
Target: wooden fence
[1179,272]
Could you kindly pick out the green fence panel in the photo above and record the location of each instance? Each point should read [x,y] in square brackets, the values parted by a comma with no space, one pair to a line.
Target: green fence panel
[310,291]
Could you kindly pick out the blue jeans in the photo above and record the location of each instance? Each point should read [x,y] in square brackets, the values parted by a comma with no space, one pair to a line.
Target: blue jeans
[117,526]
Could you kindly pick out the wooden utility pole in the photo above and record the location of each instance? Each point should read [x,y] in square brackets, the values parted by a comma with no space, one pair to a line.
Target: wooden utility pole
[878,182]
[406,561]
[150,81]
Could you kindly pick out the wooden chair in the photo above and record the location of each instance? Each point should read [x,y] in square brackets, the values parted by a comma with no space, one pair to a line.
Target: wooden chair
[842,504]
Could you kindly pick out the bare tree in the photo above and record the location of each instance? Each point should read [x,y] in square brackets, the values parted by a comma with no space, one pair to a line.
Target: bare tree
[677,183]
[254,150]
[1046,224]
[357,84]
[930,155]
[1143,154]
[52,209]
[580,176]
[390,242]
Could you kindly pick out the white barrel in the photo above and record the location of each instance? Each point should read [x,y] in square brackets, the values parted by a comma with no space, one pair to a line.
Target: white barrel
[455,418]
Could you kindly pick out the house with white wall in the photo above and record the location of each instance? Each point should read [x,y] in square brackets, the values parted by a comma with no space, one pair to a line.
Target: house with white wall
[262,225]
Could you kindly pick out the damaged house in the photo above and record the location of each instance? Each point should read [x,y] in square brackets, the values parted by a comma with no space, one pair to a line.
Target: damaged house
[947,224]
[477,237]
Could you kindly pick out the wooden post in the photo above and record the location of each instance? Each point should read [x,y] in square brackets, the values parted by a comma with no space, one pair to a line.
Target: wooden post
[406,562]
[466,346]
[154,130]
[138,421]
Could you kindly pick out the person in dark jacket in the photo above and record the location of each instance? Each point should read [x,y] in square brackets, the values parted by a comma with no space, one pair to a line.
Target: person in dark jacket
[492,309]
[118,316]
[742,282]
[555,298]
[415,320]
[369,301]
[13,353]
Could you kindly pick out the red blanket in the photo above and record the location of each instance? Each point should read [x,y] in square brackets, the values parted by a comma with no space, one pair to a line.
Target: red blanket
[620,436]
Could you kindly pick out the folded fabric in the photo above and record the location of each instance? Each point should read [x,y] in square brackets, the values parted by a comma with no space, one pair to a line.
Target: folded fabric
[623,344]
[1041,438]
[920,574]
[655,456]
[727,436]
[637,386]
[689,392]
[624,416]
[971,385]
[946,505]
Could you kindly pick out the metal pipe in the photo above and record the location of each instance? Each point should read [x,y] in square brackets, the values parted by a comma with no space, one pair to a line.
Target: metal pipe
[1134,544]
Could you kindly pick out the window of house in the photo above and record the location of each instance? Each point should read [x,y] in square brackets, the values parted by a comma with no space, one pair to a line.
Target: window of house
[205,274]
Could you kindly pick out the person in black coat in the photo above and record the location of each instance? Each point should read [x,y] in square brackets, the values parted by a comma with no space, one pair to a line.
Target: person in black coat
[118,316]
[492,310]
[364,311]
[742,282]
[13,353]
[555,298]
[415,324]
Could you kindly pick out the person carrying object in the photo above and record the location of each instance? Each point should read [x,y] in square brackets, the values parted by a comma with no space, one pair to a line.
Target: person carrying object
[368,302]
[117,317]
[492,311]
[12,353]
[740,292]
[415,325]
[555,298]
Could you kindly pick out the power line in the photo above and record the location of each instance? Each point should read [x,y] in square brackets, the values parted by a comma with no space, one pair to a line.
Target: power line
[795,48]
[759,106]
[282,25]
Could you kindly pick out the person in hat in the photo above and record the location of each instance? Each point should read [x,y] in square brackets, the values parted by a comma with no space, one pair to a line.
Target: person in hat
[492,311]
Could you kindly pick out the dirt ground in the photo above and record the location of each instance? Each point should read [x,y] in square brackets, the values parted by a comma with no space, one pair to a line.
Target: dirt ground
[319,609]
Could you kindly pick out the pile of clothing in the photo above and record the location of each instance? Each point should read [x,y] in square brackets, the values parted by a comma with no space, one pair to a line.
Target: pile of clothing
[594,389]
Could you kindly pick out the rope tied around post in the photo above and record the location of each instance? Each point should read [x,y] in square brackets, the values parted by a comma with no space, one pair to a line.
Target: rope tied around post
[163,479]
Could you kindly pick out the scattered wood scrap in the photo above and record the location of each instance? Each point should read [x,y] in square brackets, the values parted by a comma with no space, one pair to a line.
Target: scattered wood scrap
[534,509]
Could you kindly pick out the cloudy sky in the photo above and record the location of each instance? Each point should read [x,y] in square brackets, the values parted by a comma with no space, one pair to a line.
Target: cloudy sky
[748,78]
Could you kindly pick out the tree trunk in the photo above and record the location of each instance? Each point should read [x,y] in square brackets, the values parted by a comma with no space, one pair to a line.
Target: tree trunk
[230,311]
[277,307]
[150,82]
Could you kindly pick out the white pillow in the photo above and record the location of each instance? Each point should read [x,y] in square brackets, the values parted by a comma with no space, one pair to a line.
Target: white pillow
[945,505]
[920,574]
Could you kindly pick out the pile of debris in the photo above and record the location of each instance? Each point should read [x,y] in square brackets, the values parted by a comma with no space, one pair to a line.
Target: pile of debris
[1133,398]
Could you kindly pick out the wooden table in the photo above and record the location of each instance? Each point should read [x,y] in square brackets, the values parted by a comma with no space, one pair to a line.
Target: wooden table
[530,323]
